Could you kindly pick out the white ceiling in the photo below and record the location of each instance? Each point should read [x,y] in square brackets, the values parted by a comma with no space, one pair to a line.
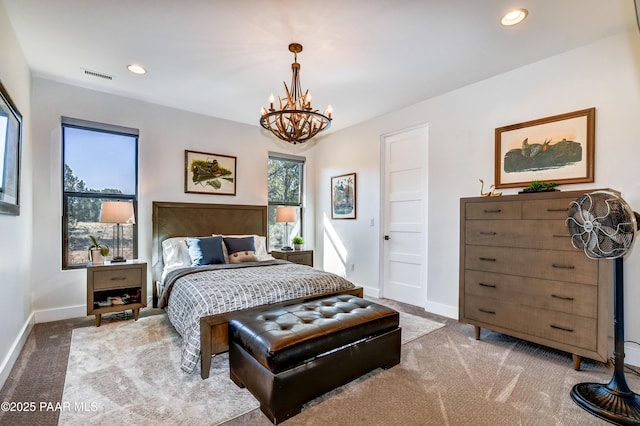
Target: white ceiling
[366,58]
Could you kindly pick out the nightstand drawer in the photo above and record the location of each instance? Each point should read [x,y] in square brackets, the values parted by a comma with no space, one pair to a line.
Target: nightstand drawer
[301,258]
[118,278]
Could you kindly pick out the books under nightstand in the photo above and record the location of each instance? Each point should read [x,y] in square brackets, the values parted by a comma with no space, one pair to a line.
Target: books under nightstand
[115,287]
[302,257]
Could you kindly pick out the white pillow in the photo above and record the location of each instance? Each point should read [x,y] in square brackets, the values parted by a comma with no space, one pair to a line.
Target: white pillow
[175,253]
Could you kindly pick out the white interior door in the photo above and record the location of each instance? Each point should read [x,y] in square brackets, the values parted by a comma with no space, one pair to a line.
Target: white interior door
[405,216]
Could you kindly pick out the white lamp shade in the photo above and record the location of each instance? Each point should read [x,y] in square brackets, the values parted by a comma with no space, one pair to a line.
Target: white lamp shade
[285,214]
[117,212]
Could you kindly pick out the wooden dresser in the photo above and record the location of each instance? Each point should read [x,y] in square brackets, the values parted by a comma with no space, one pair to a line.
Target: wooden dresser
[520,275]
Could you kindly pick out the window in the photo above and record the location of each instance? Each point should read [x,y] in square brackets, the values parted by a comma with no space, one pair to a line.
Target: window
[100,163]
[285,189]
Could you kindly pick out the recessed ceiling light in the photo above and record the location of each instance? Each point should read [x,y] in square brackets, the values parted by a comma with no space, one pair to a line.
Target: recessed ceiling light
[514,17]
[137,69]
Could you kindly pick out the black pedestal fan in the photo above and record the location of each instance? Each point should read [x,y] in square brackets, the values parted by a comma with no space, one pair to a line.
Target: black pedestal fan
[604,226]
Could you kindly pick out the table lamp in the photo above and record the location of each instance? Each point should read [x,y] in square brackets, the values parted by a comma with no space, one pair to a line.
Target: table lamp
[286,215]
[118,213]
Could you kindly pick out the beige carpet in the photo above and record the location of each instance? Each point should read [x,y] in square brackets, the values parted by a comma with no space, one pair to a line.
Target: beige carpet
[448,378]
[130,371]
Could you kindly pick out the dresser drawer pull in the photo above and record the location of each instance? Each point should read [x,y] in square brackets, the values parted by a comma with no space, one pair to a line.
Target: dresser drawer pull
[486,311]
[556,265]
[557,327]
[487,233]
[492,210]
[487,285]
[562,235]
[562,297]
[118,278]
[565,209]
[487,259]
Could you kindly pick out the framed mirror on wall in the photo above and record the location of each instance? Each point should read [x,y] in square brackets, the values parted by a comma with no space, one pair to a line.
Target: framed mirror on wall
[10,147]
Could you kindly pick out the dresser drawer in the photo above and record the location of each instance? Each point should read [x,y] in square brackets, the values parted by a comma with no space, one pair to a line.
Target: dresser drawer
[570,266]
[111,278]
[494,210]
[536,234]
[570,298]
[557,326]
[557,209]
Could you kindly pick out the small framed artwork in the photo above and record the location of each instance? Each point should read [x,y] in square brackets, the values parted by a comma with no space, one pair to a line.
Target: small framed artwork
[10,147]
[343,196]
[553,149]
[206,173]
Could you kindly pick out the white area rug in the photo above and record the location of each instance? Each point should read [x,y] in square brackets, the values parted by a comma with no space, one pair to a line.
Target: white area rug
[129,373]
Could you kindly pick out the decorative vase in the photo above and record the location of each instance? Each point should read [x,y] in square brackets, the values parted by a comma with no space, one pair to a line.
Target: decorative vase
[96,257]
[297,246]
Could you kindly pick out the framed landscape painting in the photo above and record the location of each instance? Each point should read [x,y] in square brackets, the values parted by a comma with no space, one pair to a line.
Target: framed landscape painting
[343,196]
[206,173]
[553,149]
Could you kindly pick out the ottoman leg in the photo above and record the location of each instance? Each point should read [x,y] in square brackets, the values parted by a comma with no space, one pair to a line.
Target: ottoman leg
[282,415]
[235,379]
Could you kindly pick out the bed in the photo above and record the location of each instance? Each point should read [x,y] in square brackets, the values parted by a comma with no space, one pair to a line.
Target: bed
[177,219]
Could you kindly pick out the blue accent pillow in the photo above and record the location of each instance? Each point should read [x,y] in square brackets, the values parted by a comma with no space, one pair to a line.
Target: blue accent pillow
[234,245]
[205,251]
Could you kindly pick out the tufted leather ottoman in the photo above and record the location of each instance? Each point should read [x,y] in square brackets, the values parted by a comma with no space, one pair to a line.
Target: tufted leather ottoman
[289,355]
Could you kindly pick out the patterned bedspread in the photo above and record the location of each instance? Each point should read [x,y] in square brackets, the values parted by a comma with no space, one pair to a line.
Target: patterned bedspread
[192,293]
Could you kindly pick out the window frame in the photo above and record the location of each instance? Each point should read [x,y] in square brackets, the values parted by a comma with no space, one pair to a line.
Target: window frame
[279,203]
[104,128]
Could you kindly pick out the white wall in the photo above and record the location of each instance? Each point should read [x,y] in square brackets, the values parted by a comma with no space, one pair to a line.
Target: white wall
[164,135]
[15,231]
[604,75]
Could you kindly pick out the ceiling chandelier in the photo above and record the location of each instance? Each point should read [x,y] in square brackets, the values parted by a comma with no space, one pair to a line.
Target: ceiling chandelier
[294,121]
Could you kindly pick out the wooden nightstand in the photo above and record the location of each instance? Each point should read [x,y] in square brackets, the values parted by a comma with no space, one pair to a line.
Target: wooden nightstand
[115,287]
[303,257]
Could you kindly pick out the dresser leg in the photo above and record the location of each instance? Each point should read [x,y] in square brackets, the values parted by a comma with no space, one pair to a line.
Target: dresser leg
[136,312]
[477,330]
[98,320]
[577,360]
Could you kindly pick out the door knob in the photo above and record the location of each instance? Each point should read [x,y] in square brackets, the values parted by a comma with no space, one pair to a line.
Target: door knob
[386,237]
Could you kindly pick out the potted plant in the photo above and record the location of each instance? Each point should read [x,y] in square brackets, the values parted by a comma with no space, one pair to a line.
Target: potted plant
[540,186]
[297,242]
[97,251]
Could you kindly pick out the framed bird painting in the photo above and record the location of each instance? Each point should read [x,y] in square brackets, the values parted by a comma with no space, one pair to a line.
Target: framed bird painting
[206,173]
[556,149]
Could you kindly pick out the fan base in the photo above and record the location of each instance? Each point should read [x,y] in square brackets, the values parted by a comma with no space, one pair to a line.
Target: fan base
[622,408]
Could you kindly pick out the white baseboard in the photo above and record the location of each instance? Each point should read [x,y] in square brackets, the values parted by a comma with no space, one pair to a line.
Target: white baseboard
[372,292]
[16,348]
[441,309]
[58,314]
[632,355]
[68,312]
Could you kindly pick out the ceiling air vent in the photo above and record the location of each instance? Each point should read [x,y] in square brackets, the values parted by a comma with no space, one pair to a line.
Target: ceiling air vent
[98,74]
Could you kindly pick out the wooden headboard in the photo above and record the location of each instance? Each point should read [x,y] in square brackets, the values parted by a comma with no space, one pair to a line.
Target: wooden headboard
[172,219]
